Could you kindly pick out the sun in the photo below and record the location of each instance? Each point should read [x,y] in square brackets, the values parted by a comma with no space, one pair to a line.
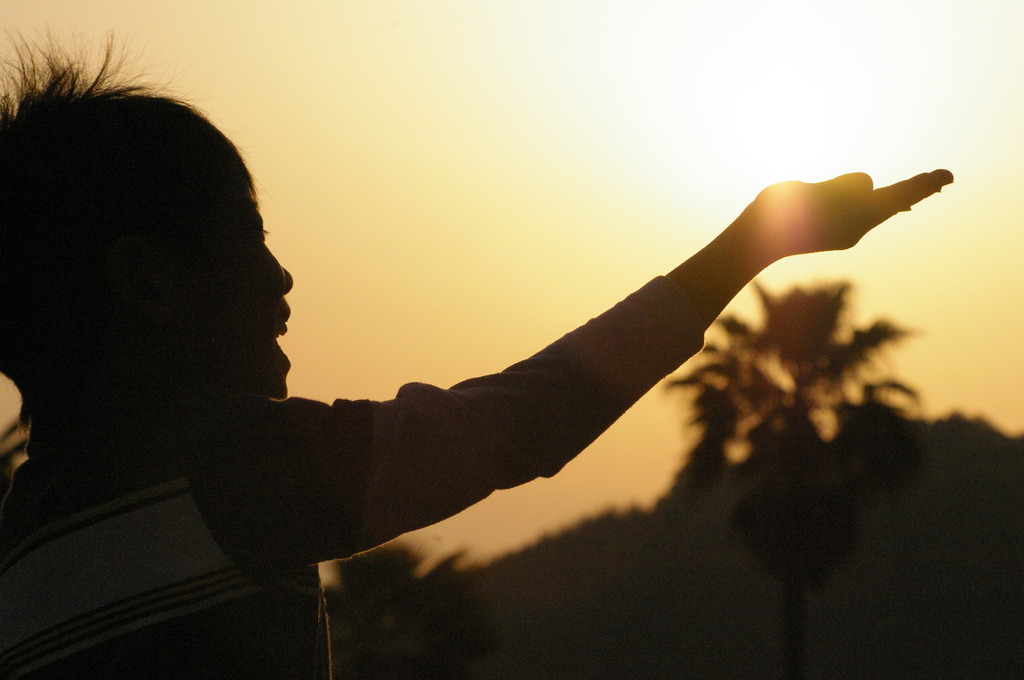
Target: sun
[685,105]
[782,121]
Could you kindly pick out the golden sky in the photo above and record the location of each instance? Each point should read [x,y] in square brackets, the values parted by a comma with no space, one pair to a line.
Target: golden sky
[455,183]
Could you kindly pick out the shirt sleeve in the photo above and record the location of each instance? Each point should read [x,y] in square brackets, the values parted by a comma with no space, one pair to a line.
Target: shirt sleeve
[300,481]
[437,451]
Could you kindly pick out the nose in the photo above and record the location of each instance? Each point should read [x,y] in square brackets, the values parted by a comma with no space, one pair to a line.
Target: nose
[288,281]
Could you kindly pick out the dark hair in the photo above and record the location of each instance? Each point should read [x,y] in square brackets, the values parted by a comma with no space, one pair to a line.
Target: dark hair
[87,157]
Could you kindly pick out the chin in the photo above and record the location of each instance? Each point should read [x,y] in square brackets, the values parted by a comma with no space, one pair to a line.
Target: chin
[271,383]
[271,380]
[262,373]
[278,392]
[271,389]
[274,385]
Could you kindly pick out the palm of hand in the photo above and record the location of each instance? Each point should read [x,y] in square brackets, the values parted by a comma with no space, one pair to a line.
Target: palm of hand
[798,217]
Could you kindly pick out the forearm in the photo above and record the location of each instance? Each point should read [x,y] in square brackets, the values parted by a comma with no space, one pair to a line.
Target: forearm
[714,275]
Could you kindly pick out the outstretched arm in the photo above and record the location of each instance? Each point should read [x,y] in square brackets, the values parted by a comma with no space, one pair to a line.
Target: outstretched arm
[791,218]
[383,468]
[438,451]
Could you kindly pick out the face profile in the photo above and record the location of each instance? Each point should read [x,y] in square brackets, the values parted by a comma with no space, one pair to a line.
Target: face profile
[235,300]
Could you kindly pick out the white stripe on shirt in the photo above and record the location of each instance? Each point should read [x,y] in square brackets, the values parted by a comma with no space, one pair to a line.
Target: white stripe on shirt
[119,573]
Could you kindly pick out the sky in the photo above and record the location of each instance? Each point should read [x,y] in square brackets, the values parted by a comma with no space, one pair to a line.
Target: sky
[456,183]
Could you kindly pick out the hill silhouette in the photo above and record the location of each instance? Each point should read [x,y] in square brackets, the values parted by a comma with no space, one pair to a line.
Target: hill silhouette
[935,589]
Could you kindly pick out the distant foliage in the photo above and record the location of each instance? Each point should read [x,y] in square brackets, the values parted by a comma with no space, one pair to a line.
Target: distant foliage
[932,589]
[390,619]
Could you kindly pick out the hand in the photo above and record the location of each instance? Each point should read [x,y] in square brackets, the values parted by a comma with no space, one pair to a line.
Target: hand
[795,217]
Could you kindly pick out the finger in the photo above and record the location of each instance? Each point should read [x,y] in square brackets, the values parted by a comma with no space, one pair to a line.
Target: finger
[903,195]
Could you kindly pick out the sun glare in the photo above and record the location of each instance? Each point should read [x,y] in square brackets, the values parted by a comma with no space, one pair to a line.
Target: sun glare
[781,120]
[773,100]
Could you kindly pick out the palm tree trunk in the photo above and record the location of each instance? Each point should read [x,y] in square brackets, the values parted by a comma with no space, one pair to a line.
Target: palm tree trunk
[794,613]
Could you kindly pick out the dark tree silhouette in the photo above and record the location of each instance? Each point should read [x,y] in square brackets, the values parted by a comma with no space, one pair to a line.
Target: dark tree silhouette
[391,619]
[801,414]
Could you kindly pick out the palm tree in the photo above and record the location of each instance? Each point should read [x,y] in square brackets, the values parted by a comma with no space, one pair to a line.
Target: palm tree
[801,414]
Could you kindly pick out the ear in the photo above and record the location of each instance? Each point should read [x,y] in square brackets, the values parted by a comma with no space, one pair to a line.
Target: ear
[141,276]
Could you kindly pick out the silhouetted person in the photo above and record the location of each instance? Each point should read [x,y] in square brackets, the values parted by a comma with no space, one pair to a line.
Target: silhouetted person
[174,504]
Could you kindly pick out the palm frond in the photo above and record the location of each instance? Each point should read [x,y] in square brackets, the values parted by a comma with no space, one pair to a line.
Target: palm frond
[883,392]
[863,347]
[734,327]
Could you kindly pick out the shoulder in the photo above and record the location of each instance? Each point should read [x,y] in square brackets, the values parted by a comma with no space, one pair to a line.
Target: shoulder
[280,483]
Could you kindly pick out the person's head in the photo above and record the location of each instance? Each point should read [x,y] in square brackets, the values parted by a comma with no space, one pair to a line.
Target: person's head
[129,232]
